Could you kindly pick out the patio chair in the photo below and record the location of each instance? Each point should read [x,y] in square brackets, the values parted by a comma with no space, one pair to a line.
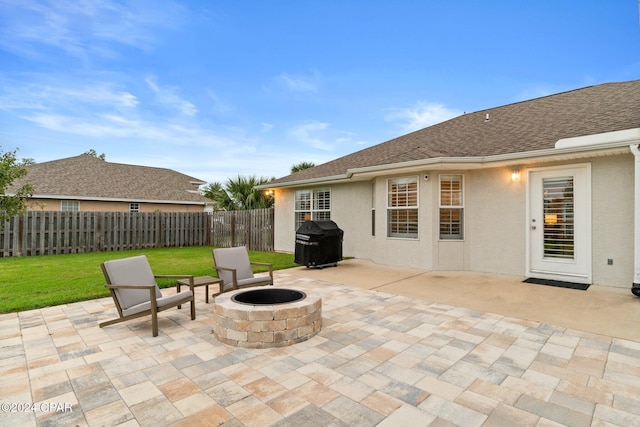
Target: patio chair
[234,268]
[135,292]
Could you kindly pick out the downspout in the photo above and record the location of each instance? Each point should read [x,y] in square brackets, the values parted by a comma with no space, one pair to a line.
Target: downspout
[635,288]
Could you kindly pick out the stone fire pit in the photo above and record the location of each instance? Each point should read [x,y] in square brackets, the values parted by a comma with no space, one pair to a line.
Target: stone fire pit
[266,317]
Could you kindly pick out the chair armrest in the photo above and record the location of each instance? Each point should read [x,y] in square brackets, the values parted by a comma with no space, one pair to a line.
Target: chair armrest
[265,264]
[234,275]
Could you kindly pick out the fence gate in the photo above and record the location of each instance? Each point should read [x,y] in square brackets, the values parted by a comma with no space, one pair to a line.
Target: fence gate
[250,228]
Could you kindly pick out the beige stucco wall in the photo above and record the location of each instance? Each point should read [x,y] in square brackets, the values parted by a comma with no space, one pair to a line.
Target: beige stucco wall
[495,222]
[98,206]
[495,238]
[612,180]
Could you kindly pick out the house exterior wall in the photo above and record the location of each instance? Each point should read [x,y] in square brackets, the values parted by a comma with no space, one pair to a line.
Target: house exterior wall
[495,215]
[613,220]
[100,206]
[496,228]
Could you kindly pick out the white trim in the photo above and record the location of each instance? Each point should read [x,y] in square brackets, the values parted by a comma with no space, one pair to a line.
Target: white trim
[566,149]
[416,207]
[636,241]
[581,277]
[599,139]
[112,199]
[461,207]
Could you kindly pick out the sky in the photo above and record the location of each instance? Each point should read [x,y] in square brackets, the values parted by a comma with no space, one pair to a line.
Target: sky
[216,89]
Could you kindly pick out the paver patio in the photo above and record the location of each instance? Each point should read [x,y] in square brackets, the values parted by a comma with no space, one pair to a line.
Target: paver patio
[380,359]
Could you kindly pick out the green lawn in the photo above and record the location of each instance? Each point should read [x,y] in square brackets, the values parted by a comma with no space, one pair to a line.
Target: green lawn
[40,281]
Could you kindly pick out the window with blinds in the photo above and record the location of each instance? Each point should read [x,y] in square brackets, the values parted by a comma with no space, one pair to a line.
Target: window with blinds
[402,207]
[451,207]
[558,213]
[314,205]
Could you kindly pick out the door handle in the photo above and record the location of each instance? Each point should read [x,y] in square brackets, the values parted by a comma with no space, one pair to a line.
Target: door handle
[533,227]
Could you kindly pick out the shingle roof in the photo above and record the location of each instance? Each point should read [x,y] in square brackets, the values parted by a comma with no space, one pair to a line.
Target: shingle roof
[88,177]
[520,127]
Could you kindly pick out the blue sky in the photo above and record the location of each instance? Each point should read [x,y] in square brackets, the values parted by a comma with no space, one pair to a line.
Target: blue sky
[216,89]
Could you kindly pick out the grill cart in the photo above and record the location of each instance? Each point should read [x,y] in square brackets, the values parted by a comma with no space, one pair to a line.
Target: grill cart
[318,244]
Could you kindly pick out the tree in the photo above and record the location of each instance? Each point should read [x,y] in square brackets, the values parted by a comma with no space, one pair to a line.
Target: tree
[302,166]
[94,153]
[239,194]
[11,169]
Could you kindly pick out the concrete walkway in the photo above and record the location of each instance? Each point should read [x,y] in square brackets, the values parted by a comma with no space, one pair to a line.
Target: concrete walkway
[614,312]
[382,358]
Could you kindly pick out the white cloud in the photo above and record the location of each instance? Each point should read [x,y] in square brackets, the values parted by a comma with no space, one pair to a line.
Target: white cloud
[299,83]
[169,97]
[218,105]
[320,135]
[266,127]
[420,115]
[42,93]
[307,134]
[83,29]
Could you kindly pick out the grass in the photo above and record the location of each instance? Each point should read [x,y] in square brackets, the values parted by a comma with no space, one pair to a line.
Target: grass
[32,282]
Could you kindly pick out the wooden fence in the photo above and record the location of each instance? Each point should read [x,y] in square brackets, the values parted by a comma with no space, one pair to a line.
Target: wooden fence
[253,229]
[47,232]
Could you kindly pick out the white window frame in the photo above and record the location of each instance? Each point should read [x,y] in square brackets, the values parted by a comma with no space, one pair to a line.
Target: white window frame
[392,209]
[69,205]
[315,206]
[449,205]
[134,207]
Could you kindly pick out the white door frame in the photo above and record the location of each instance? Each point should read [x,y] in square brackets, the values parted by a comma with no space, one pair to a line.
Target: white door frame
[579,269]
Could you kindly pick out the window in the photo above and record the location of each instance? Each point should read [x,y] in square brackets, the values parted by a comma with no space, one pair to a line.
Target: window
[451,207]
[559,219]
[134,207]
[312,205]
[402,207]
[69,205]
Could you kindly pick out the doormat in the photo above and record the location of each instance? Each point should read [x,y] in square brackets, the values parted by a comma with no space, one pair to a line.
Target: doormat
[557,283]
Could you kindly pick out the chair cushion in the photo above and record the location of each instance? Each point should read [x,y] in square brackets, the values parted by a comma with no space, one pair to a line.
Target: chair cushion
[253,281]
[166,300]
[131,271]
[237,258]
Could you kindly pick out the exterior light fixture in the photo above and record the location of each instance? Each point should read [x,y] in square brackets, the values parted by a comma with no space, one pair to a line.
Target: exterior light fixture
[269,193]
[515,175]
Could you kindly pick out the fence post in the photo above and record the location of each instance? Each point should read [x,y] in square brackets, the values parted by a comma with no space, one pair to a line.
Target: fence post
[233,228]
[17,236]
[248,231]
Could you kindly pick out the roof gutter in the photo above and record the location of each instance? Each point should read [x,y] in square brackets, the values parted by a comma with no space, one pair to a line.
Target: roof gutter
[635,287]
[113,199]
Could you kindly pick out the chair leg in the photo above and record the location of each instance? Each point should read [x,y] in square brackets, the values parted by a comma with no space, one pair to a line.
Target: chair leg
[154,313]
[193,308]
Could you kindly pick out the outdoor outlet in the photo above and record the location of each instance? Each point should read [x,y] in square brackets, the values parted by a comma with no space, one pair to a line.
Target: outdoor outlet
[610,261]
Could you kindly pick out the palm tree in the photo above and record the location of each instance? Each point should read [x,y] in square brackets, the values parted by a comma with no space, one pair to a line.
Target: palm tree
[239,194]
[302,166]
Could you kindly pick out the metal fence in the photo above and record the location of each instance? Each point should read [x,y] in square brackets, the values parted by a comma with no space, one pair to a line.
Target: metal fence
[48,232]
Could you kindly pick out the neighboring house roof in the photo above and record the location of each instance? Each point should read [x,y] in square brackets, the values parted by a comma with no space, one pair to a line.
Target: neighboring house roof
[89,178]
[522,127]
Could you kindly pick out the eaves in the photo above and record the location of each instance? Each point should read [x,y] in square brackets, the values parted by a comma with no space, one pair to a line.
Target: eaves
[605,144]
